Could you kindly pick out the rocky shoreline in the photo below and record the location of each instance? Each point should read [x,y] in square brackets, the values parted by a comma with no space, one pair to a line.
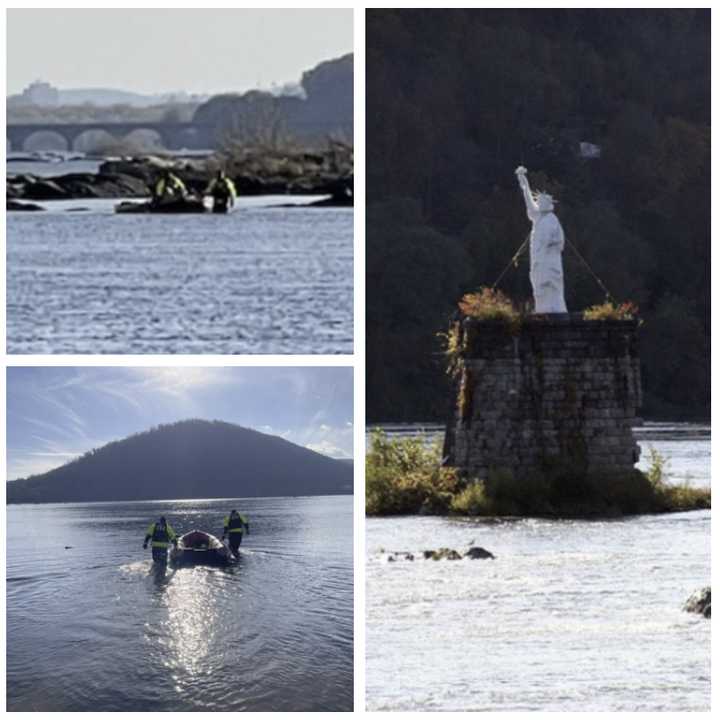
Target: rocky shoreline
[254,173]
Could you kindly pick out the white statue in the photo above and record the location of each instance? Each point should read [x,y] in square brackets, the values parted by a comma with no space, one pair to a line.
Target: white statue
[547,241]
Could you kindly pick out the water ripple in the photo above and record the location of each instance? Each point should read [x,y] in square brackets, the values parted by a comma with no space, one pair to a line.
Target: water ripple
[274,632]
[262,280]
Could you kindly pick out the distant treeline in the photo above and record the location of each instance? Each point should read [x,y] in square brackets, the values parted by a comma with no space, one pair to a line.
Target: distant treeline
[456,99]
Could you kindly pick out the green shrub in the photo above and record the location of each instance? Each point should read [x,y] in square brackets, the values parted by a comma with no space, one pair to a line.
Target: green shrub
[674,497]
[471,501]
[404,476]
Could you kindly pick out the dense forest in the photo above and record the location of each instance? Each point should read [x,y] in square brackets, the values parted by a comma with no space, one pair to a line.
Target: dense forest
[610,112]
[189,459]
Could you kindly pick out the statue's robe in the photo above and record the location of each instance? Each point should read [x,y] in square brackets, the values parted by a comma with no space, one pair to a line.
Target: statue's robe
[547,242]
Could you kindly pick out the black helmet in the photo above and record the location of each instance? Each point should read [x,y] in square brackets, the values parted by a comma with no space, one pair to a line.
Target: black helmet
[163,521]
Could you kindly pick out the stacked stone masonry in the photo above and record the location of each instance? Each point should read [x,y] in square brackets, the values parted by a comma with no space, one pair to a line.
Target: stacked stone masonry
[553,390]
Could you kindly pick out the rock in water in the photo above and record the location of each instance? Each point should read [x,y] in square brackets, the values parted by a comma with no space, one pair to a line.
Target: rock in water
[699,602]
[478,553]
[392,557]
[15,206]
[442,554]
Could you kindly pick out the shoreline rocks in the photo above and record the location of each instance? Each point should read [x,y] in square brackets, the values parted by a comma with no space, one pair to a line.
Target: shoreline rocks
[258,172]
[15,206]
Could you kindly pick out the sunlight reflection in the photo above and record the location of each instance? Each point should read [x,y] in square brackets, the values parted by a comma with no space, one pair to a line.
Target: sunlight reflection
[191,625]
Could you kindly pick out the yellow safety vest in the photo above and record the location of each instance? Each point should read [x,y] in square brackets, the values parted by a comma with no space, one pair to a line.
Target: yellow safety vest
[237,524]
[229,185]
[161,538]
[174,183]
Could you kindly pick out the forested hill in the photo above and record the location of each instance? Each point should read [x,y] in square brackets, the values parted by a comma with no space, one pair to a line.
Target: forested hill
[189,459]
[456,100]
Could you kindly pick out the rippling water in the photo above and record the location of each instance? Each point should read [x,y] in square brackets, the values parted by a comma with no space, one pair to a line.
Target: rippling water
[94,628]
[571,615]
[263,279]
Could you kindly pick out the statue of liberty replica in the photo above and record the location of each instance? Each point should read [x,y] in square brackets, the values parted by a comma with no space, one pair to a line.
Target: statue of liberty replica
[549,394]
[547,242]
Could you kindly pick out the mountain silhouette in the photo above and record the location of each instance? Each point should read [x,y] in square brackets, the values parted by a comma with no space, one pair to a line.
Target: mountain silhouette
[188,459]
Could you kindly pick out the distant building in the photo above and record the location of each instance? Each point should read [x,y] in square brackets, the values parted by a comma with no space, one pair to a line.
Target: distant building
[41,93]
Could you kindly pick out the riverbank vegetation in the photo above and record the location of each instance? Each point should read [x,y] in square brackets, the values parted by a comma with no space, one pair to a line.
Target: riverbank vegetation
[404,476]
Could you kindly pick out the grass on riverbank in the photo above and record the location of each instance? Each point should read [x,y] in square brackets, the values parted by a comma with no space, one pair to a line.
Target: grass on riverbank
[404,477]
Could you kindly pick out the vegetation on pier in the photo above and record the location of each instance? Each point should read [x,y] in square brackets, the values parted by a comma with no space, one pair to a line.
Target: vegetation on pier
[405,476]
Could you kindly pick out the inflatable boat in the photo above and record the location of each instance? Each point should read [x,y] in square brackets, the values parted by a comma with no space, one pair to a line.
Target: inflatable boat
[181,206]
[200,548]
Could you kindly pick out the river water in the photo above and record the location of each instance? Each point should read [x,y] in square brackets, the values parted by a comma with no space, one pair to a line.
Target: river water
[93,627]
[570,616]
[263,279]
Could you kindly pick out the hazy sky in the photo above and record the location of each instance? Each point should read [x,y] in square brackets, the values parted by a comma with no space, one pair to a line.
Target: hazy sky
[151,51]
[56,414]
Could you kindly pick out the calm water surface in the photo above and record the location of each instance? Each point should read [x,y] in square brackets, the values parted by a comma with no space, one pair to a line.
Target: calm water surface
[571,615]
[264,279]
[93,627]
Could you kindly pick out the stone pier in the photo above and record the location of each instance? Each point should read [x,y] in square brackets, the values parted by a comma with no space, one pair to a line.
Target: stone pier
[546,393]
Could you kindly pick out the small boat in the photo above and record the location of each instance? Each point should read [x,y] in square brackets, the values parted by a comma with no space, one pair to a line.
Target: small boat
[200,548]
[180,206]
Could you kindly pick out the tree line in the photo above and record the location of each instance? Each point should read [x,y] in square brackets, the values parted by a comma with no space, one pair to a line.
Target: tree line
[610,112]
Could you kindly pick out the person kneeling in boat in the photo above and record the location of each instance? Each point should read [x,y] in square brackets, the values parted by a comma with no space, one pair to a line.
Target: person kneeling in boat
[223,192]
[161,535]
[168,188]
[234,526]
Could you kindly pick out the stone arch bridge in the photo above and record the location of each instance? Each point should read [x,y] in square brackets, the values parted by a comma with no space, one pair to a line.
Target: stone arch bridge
[173,135]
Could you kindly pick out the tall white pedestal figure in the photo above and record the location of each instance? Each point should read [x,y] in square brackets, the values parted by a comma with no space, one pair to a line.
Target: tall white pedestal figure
[547,242]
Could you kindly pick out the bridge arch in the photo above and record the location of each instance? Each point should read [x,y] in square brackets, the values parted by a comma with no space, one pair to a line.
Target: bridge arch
[44,140]
[93,140]
[146,139]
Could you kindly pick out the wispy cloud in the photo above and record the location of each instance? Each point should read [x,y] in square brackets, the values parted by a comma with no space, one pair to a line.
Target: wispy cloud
[56,414]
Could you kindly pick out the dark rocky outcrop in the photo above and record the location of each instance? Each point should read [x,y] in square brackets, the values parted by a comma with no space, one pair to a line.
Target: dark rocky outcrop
[75,185]
[478,553]
[699,602]
[189,459]
[255,171]
[15,206]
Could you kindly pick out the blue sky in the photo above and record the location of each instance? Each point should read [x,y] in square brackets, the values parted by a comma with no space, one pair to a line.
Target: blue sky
[57,413]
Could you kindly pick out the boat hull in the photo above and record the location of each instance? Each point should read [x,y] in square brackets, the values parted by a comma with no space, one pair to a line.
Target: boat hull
[200,548]
[187,206]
